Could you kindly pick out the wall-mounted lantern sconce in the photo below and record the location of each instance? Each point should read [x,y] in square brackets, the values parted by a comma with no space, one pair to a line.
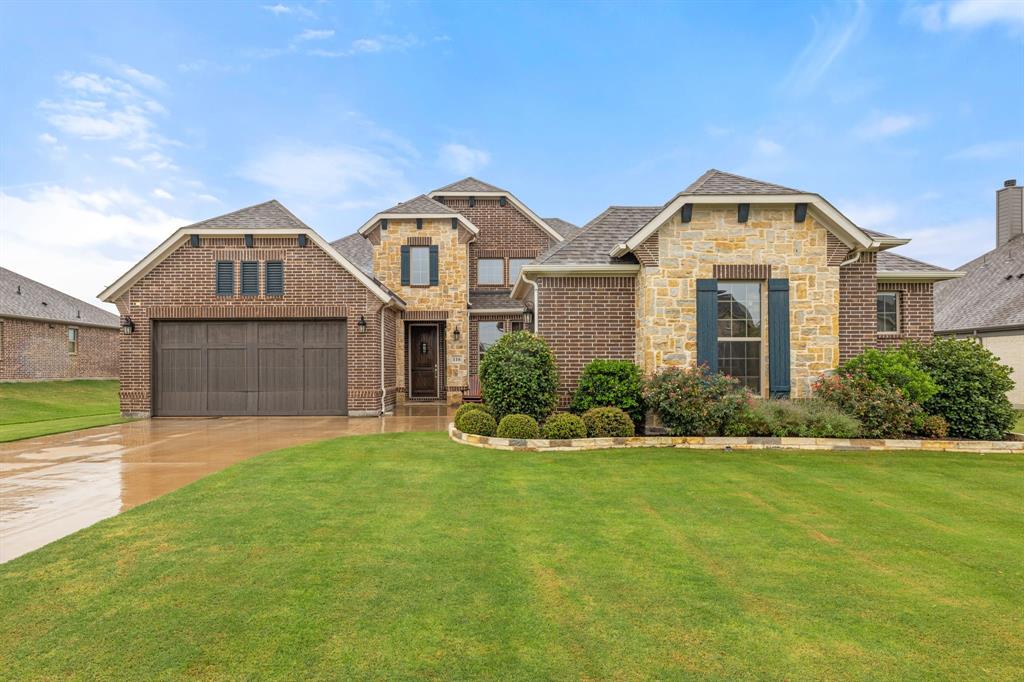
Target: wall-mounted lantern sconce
[528,318]
[127,326]
[456,334]
[248,241]
[361,324]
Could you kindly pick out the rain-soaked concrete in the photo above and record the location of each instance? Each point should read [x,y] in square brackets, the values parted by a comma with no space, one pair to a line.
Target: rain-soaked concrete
[54,485]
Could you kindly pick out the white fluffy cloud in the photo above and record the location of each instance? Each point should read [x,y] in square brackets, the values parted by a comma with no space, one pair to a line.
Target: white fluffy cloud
[967,14]
[462,159]
[887,125]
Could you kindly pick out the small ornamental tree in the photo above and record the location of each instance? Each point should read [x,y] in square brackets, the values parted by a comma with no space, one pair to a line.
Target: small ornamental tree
[518,376]
[611,383]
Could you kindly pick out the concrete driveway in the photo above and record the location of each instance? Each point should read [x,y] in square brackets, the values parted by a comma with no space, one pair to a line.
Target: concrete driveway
[54,485]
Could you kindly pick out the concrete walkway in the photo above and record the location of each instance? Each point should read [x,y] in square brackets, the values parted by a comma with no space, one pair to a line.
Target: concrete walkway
[54,485]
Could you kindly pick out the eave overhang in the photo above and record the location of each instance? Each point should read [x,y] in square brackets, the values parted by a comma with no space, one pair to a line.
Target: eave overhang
[917,276]
[570,270]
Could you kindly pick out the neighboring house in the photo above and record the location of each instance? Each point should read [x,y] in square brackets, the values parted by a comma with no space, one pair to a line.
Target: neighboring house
[988,303]
[255,313]
[46,334]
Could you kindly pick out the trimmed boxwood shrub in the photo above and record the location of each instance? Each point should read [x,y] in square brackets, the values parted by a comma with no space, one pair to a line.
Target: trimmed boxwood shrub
[477,422]
[695,402]
[469,407]
[518,376]
[564,426]
[518,426]
[897,367]
[610,383]
[972,388]
[883,411]
[794,418]
[608,422]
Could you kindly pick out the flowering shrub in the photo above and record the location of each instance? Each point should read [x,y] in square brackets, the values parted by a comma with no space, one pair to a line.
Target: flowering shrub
[798,418]
[518,376]
[883,411]
[608,422]
[610,383]
[565,426]
[695,402]
[518,426]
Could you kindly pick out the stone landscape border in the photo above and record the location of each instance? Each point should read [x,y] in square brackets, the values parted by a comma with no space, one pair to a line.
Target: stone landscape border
[733,443]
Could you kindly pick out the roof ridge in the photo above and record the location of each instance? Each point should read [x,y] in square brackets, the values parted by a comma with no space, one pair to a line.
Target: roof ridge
[712,172]
[270,202]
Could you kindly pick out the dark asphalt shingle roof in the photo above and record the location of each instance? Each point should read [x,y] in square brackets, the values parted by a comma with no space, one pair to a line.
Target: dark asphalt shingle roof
[469,185]
[984,298]
[877,235]
[595,240]
[269,214]
[485,299]
[357,250]
[562,227]
[893,262]
[719,182]
[41,302]
[421,205]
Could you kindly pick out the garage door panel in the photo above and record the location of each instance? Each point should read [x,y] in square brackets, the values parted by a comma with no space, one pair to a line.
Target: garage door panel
[323,372]
[250,367]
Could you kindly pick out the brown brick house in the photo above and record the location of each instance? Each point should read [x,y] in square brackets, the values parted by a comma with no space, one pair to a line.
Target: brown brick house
[46,334]
[255,313]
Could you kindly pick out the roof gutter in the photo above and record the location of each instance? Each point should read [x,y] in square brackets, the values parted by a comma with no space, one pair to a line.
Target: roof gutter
[917,276]
[569,270]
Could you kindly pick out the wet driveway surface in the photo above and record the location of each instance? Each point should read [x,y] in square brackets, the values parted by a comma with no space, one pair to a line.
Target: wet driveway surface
[54,485]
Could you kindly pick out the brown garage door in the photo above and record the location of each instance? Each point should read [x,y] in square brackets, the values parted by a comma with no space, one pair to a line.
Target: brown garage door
[248,368]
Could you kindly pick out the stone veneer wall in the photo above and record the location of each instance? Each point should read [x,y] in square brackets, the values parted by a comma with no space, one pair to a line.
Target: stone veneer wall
[584,318]
[447,301]
[916,310]
[32,350]
[666,295]
[182,286]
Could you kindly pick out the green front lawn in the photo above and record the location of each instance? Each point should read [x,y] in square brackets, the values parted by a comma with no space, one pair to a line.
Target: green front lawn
[40,408]
[408,556]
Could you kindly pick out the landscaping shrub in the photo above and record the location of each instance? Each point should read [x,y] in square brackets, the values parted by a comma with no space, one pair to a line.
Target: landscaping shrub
[608,422]
[469,407]
[518,376]
[930,426]
[897,367]
[476,421]
[972,388]
[611,383]
[565,426]
[694,402]
[794,418]
[883,411]
[518,426]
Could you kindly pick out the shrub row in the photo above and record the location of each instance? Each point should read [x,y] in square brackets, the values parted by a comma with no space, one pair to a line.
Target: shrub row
[598,422]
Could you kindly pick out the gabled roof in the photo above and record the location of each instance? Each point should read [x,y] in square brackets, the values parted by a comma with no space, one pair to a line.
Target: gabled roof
[469,185]
[719,182]
[418,207]
[270,217]
[593,242]
[26,298]
[893,266]
[989,296]
[357,250]
[563,227]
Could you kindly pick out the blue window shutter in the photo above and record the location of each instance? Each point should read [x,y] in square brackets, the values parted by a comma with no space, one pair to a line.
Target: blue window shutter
[225,278]
[433,265]
[405,266]
[707,323]
[778,338]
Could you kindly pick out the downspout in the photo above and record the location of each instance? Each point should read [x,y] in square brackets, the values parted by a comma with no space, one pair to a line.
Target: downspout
[851,261]
[536,310]
[383,388]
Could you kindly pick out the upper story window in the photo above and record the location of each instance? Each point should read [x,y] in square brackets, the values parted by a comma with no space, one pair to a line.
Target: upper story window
[72,341]
[490,271]
[739,332]
[514,266]
[225,278]
[419,266]
[888,312]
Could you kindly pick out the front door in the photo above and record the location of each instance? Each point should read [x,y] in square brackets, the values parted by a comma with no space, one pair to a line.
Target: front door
[423,361]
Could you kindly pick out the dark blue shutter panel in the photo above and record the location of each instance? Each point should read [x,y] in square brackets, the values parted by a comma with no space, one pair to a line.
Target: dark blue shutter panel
[275,278]
[433,265]
[707,323]
[778,338]
[405,266]
[250,278]
[225,278]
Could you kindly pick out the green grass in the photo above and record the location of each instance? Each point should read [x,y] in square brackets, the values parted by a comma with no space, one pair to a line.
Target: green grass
[408,556]
[40,408]
[1019,428]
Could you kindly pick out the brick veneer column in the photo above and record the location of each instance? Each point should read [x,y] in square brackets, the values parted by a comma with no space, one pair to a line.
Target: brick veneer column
[858,284]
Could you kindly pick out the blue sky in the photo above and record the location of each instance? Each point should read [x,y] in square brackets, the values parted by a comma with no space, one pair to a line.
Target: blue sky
[123,121]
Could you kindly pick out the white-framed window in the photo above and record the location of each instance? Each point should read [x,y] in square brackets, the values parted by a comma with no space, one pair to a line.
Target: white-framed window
[888,312]
[419,266]
[514,266]
[72,340]
[740,326]
[490,271]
